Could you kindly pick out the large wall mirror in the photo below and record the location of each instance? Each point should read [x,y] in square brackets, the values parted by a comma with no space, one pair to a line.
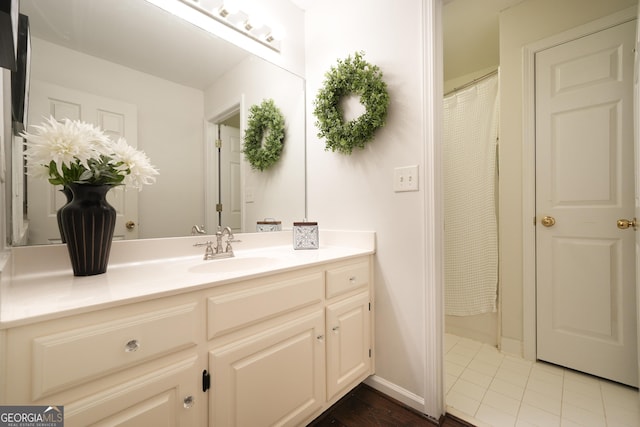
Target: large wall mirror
[172,90]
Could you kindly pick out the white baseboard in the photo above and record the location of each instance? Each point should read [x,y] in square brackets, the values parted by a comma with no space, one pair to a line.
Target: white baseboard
[511,346]
[398,393]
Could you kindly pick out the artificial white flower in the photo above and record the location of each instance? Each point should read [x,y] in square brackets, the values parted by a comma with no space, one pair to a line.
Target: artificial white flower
[64,143]
[136,163]
[39,172]
[74,151]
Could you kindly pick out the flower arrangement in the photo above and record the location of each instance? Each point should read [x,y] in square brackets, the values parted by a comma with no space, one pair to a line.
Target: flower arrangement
[72,151]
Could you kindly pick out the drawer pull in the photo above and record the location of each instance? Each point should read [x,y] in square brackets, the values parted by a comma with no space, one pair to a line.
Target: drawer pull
[320,337]
[188,402]
[335,328]
[352,279]
[131,346]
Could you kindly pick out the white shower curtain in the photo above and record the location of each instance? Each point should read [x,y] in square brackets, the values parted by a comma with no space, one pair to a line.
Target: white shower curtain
[471,236]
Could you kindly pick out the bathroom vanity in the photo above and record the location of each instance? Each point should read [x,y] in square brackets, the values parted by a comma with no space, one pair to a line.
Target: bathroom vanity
[273,336]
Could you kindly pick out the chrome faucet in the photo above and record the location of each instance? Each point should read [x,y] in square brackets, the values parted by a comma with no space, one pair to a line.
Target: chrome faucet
[198,229]
[217,252]
[219,235]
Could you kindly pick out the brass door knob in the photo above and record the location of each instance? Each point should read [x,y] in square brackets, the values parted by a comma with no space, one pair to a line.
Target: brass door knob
[548,221]
[130,225]
[623,224]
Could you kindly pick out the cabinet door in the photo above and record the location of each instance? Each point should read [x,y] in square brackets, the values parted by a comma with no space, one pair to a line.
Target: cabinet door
[168,397]
[274,378]
[348,342]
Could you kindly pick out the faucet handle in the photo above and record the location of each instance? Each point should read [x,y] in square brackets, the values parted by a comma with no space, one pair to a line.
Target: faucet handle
[198,229]
[208,252]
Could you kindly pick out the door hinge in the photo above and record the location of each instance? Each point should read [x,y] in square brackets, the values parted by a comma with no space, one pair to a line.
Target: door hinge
[206,380]
[218,143]
[219,207]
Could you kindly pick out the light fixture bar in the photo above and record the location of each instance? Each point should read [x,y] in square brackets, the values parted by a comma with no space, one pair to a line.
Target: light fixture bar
[239,21]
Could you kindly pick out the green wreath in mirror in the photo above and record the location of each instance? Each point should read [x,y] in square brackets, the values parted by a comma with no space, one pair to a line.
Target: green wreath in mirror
[263,139]
[351,76]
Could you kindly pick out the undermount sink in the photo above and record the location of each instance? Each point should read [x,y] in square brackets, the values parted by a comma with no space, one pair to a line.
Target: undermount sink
[229,265]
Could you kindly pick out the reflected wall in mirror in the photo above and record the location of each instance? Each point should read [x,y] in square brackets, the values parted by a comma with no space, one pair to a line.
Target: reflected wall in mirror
[166,86]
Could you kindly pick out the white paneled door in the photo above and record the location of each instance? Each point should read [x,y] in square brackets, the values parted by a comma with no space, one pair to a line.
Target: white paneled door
[636,146]
[230,178]
[586,304]
[116,119]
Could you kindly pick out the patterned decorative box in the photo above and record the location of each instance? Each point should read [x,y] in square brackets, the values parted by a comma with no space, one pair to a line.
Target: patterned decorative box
[269,224]
[305,235]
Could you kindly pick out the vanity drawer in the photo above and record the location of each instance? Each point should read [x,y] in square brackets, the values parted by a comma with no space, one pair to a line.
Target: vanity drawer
[347,278]
[69,358]
[233,310]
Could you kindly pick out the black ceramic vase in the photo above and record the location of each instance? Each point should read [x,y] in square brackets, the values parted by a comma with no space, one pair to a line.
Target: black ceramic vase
[88,222]
[69,195]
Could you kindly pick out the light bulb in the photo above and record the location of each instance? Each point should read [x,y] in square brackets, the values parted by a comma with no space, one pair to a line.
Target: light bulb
[253,23]
[278,32]
[229,7]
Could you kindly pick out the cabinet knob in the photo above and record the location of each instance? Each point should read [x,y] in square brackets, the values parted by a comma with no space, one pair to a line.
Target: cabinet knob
[320,337]
[335,328]
[188,402]
[131,346]
[352,279]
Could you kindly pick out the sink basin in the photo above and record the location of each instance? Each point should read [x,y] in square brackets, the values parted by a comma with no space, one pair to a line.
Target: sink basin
[230,265]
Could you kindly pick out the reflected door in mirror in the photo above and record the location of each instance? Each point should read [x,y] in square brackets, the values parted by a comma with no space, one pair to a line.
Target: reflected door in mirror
[116,119]
[230,178]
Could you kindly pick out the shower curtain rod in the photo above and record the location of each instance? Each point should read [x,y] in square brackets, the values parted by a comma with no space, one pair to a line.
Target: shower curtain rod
[472,82]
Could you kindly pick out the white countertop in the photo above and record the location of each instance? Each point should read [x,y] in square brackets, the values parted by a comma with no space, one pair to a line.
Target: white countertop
[38,283]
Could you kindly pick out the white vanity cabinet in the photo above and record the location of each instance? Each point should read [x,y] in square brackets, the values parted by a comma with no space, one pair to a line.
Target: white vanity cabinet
[275,377]
[273,349]
[267,351]
[131,365]
[301,341]
[348,324]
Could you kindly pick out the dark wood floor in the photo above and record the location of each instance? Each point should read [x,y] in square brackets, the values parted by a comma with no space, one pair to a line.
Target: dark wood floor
[365,406]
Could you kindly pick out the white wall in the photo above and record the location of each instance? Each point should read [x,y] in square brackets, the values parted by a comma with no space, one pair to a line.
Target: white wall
[278,192]
[356,192]
[170,131]
[520,25]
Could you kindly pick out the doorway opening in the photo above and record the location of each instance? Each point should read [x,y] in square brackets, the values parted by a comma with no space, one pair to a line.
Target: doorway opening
[223,175]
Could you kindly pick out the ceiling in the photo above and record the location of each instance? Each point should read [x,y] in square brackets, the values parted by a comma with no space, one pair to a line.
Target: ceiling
[470,35]
[136,34]
[141,36]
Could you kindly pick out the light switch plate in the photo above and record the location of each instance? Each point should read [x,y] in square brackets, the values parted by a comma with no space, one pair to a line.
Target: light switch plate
[405,178]
[248,195]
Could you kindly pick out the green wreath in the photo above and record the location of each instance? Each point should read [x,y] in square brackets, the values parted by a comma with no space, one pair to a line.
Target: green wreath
[351,76]
[264,135]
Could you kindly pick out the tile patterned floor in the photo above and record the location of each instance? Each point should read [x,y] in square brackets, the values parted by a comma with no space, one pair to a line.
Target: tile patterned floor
[488,388]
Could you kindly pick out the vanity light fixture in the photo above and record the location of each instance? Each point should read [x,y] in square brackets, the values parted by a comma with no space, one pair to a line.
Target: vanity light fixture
[230,14]
[225,12]
[276,34]
[253,23]
[228,8]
